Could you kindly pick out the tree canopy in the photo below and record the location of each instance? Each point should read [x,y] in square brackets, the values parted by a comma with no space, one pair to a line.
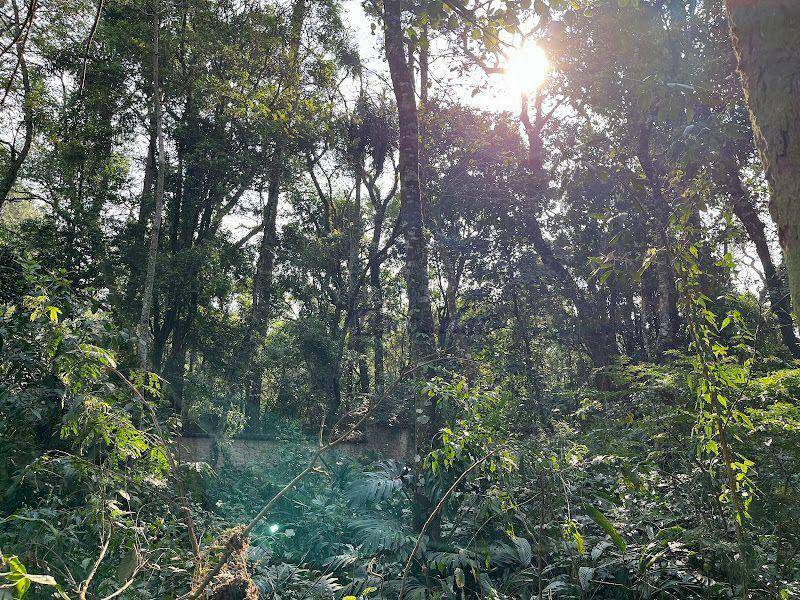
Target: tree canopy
[404,299]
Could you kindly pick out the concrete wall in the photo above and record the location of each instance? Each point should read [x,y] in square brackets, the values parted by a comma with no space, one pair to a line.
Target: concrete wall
[243,451]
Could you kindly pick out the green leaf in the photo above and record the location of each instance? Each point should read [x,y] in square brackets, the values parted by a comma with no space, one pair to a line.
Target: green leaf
[523,550]
[606,525]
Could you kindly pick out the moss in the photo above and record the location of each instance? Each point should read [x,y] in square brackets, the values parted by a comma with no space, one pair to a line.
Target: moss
[234,582]
[767,45]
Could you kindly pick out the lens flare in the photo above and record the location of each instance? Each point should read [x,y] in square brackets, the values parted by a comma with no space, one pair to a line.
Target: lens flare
[526,70]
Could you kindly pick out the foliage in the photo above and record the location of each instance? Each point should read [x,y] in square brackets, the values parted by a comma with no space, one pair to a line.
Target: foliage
[612,407]
[78,472]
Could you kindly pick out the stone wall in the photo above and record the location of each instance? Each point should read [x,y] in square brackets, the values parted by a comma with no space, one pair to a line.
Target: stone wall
[243,450]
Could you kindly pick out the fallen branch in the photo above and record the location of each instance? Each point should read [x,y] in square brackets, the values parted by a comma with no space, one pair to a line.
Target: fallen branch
[229,549]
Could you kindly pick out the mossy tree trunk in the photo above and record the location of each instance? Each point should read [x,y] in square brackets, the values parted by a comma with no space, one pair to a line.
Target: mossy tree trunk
[766,39]
[420,327]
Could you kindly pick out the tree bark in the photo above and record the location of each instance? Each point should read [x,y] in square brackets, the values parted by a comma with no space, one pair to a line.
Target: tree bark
[421,327]
[18,158]
[728,178]
[766,41]
[152,251]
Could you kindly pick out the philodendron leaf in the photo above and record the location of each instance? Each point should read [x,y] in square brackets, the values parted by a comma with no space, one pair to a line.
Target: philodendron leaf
[523,550]
[599,518]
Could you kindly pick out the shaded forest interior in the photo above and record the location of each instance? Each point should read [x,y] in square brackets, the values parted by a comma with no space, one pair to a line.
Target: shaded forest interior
[540,259]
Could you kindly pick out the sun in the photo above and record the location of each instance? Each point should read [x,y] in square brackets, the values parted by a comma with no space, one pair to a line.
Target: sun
[526,70]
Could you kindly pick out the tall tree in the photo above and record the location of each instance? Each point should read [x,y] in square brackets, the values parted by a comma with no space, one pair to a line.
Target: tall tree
[262,282]
[420,318]
[155,230]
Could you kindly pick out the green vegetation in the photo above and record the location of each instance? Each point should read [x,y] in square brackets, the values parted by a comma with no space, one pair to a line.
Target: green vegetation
[293,311]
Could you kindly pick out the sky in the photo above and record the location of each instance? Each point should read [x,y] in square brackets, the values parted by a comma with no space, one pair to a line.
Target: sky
[496,96]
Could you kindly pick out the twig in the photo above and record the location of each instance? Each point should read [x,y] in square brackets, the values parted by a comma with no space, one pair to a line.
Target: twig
[84,587]
[432,515]
[127,584]
[229,547]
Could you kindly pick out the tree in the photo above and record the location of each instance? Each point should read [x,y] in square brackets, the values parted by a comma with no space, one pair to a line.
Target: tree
[262,281]
[17,157]
[152,250]
[728,178]
[421,331]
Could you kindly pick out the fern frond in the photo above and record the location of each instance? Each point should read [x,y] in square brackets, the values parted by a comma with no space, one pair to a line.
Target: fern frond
[376,534]
[377,485]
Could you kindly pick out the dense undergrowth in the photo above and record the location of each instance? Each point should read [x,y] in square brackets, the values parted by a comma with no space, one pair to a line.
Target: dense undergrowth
[610,500]
[549,245]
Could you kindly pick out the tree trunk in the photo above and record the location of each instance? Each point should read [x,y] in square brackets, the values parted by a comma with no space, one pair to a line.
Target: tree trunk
[146,201]
[592,327]
[660,209]
[726,173]
[175,374]
[262,290]
[152,251]
[377,306]
[262,283]
[18,158]
[376,287]
[363,366]
[649,308]
[766,40]
[667,333]
[449,318]
[421,327]
[354,287]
